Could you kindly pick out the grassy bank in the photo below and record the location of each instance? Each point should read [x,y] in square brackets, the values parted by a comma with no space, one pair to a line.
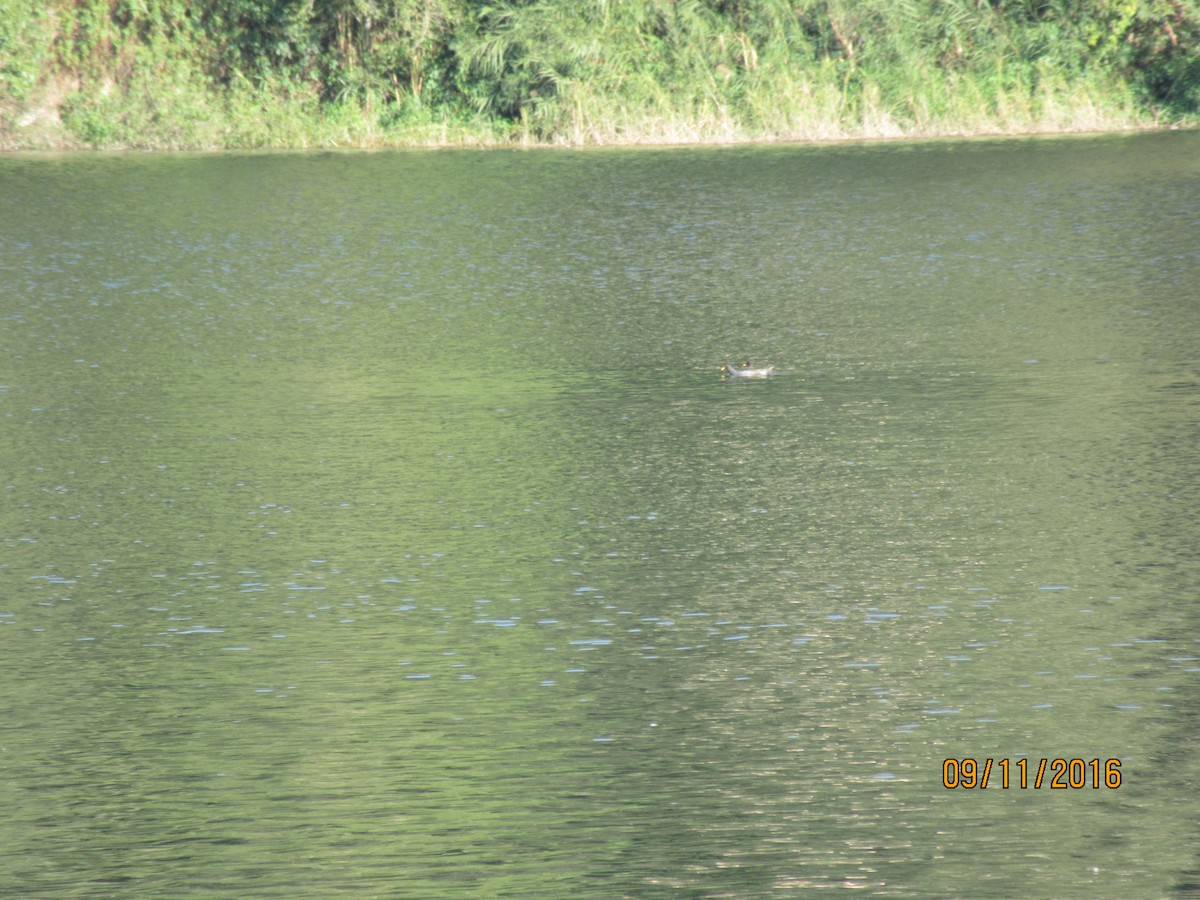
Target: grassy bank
[168,74]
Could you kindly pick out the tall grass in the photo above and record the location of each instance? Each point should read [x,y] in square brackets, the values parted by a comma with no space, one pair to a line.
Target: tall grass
[249,73]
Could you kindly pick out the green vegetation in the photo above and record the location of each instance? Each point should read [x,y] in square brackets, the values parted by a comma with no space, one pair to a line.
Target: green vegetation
[256,73]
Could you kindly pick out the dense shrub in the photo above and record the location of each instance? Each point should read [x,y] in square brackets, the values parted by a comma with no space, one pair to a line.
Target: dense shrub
[216,72]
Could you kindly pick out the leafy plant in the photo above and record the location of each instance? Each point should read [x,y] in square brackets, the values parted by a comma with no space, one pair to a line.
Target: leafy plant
[302,73]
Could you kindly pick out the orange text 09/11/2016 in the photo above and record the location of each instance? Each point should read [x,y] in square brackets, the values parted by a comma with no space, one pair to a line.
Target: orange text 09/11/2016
[1059,773]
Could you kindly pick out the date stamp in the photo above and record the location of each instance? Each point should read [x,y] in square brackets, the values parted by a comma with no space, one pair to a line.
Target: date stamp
[1021,774]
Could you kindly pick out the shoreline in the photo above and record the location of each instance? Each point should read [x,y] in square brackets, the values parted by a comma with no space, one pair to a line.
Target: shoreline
[63,145]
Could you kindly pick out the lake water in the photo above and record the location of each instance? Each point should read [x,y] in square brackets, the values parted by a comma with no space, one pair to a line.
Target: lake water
[380,525]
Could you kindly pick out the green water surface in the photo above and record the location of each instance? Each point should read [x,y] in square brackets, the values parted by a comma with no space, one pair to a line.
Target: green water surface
[380,524]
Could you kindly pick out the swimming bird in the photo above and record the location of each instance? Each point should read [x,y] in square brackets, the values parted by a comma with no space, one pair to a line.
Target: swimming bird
[746,371]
